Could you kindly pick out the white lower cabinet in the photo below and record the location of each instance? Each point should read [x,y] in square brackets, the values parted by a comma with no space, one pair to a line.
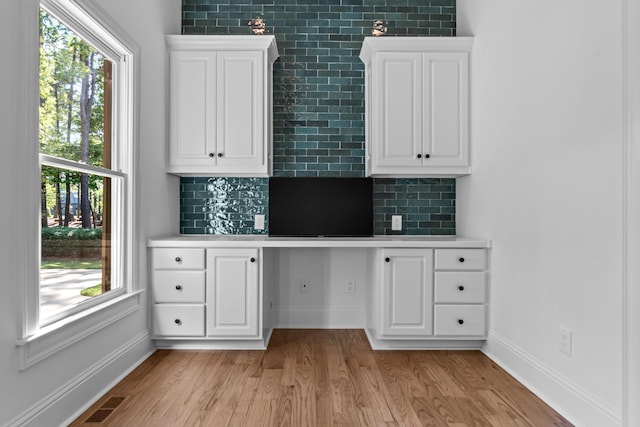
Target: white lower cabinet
[430,294]
[460,293]
[219,295]
[177,292]
[232,293]
[459,320]
[407,301]
[206,293]
[178,320]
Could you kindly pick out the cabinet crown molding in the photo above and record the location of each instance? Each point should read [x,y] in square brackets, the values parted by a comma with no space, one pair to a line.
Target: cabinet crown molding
[223,42]
[372,45]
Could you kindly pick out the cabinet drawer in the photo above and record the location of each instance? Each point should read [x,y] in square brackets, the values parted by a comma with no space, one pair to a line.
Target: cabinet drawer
[460,320]
[178,286]
[178,259]
[460,259]
[178,320]
[460,287]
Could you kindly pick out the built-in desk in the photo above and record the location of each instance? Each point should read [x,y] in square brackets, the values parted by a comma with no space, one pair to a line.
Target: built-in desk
[229,292]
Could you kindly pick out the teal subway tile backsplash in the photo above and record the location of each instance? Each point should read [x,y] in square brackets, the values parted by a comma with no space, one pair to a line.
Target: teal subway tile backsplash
[318,113]
[427,205]
[228,205]
[222,205]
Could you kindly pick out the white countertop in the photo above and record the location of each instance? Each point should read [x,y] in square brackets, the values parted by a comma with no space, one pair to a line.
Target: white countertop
[258,240]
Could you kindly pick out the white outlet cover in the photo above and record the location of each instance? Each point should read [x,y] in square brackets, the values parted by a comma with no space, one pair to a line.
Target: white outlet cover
[565,341]
[396,222]
[258,222]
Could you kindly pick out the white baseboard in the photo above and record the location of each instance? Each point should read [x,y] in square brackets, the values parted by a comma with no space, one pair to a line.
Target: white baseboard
[82,391]
[318,317]
[574,403]
[426,344]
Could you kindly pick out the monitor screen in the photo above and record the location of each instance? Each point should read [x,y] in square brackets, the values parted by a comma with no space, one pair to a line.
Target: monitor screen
[312,207]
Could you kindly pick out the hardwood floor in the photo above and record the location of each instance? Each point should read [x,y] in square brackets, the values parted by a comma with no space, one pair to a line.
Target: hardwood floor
[319,378]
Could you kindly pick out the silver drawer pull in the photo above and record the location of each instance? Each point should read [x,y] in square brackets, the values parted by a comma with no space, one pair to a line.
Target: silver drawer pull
[178,259]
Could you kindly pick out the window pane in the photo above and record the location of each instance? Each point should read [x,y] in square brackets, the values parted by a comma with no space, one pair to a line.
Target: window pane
[74,106]
[75,239]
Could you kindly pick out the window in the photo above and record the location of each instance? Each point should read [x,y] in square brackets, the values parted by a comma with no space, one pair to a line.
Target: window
[85,163]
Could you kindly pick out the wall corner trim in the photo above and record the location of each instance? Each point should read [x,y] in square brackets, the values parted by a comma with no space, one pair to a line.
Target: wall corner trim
[573,402]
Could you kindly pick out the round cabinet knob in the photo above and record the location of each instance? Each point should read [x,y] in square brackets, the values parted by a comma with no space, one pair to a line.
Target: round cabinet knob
[178,259]
[178,288]
[219,154]
[419,156]
[252,259]
[387,259]
[460,321]
[461,259]
[461,288]
[426,156]
[212,154]
[178,322]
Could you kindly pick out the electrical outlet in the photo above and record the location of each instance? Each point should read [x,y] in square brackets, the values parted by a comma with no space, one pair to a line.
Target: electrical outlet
[565,341]
[258,222]
[350,287]
[396,222]
[304,286]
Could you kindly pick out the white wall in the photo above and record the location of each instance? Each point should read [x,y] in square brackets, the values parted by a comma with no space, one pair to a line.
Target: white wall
[53,390]
[547,188]
[326,304]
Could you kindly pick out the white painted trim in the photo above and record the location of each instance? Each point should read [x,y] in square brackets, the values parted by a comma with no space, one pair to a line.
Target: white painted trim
[27,157]
[425,344]
[70,330]
[372,45]
[56,405]
[79,167]
[32,335]
[631,230]
[212,344]
[573,402]
[223,42]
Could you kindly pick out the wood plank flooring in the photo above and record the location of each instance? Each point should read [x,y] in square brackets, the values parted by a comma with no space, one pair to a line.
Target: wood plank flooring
[319,378]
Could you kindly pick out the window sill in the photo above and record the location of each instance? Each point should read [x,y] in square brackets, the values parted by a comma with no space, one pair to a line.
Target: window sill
[66,332]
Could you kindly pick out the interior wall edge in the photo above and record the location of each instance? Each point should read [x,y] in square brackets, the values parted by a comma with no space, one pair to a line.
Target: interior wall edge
[631,292]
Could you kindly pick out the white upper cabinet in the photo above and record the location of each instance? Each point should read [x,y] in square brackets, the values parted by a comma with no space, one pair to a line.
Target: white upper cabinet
[221,105]
[417,106]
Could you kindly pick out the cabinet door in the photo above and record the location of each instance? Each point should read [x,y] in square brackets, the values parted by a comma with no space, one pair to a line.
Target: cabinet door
[407,292]
[446,109]
[397,110]
[240,112]
[192,93]
[232,293]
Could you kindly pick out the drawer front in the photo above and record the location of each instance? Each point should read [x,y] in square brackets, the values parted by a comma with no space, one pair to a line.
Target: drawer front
[178,259]
[460,259]
[462,287]
[460,320]
[178,320]
[178,286]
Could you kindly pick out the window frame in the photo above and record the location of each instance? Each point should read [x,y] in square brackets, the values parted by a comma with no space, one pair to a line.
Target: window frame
[86,18]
